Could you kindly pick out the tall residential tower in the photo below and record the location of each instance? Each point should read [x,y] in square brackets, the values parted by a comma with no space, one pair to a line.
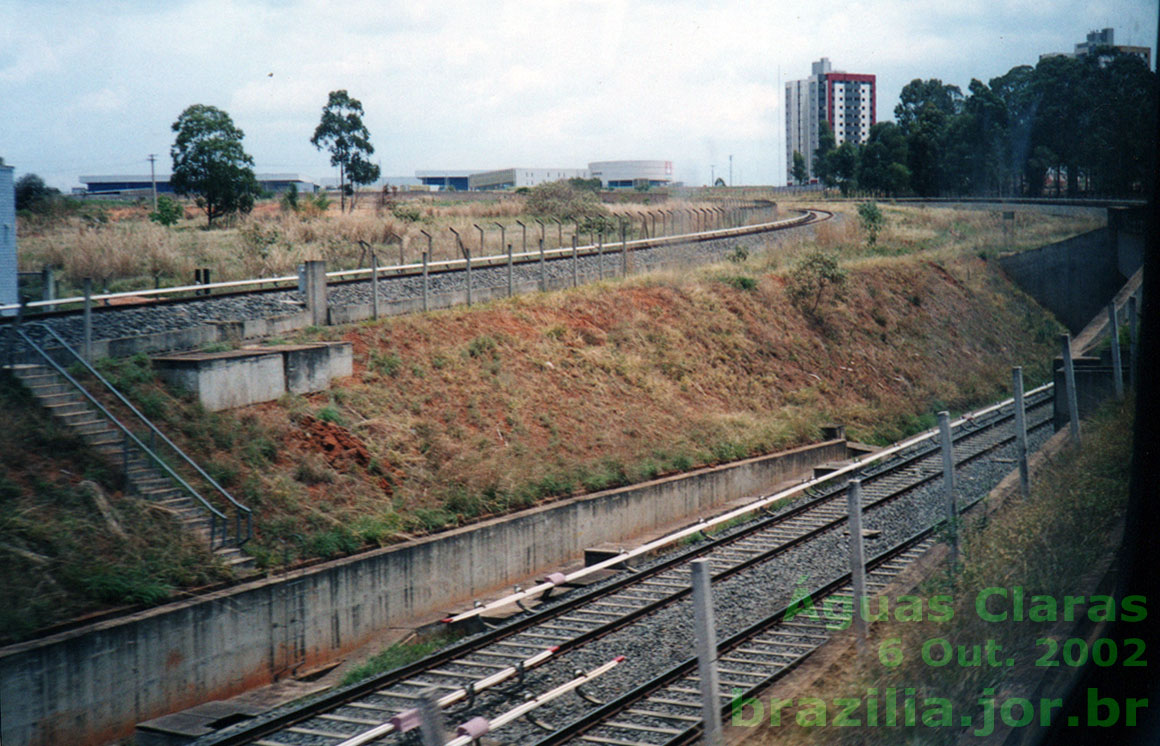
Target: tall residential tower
[847,101]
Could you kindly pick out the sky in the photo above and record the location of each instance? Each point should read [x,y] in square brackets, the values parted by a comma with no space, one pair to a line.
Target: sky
[92,88]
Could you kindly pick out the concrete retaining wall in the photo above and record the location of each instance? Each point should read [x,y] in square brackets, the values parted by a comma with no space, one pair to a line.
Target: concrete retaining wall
[1075,278]
[93,684]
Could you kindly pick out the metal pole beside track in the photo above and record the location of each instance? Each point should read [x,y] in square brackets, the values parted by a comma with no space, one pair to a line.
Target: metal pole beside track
[706,643]
[1069,380]
[431,720]
[948,459]
[1117,367]
[1020,430]
[543,268]
[857,560]
[88,319]
[575,258]
[426,257]
[1132,354]
[374,286]
[509,269]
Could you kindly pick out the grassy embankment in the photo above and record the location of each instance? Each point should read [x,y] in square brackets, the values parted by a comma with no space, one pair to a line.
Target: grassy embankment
[464,413]
[1048,547]
[61,554]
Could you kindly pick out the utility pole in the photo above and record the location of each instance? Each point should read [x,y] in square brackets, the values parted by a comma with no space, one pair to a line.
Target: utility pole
[731,170]
[712,174]
[153,178]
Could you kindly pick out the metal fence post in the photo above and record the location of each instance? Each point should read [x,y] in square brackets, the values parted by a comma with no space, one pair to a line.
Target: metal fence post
[1021,431]
[48,286]
[374,286]
[1069,379]
[1117,367]
[1132,354]
[706,651]
[948,459]
[857,560]
[88,319]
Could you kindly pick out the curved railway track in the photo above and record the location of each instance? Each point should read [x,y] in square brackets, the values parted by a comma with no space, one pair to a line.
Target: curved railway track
[374,711]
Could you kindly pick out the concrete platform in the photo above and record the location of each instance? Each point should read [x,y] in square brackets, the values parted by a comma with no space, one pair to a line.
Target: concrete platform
[237,378]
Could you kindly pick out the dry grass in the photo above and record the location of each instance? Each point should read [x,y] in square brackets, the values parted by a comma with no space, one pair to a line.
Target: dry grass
[130,253]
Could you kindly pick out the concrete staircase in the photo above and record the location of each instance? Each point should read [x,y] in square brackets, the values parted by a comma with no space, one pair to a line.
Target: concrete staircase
[71,408]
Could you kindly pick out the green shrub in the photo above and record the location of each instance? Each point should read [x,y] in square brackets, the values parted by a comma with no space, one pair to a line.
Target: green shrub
[388,364]
[815,276]
[740,282]
[168,212]
[330,414]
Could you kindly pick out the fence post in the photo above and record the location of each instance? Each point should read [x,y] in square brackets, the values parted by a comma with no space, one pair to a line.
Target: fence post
[623,250]
[1021,431]
[1069,379]
[1132,354]
[1117,367]
[857,560]
[575,258]
[706,651]
[948,459]
[375,286]
[48,289]
[509,269]
[316,299]
[467,256]
[88,319]
[600,255]
[426,257]
[430,720]
[543,268]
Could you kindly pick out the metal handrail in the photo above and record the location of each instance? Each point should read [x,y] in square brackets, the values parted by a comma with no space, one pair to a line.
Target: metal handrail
[215,514]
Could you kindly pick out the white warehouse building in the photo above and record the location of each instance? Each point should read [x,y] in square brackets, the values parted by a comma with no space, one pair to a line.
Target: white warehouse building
[628,174]
[514,178]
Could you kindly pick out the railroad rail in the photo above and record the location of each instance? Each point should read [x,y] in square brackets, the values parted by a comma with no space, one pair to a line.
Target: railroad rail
[204,292]
[372,710]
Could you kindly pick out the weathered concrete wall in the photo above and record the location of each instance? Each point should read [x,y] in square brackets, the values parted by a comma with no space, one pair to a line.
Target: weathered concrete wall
[1073,279]
[93,684]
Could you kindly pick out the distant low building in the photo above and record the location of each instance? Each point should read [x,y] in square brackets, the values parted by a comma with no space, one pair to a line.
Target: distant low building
[137,185]
[446,179]
[8,265]
[631,174]
[1103,39]
[514,178]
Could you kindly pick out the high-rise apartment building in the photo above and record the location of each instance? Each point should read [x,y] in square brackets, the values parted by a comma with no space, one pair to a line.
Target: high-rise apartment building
[847,101]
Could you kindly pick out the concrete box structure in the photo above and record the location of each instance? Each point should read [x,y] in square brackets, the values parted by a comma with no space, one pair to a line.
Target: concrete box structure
[8,263]
[237,378]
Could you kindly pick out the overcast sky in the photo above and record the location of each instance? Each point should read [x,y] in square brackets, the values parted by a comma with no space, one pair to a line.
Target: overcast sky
[94,87]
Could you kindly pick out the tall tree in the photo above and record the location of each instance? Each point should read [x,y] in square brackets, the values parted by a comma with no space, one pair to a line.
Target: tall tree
[822,161]
[882,165]
[210,164]
[341,132]
[800,172]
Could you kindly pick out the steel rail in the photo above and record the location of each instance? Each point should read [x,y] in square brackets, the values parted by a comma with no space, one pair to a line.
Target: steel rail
[808,216]
[745,510]
[603,713]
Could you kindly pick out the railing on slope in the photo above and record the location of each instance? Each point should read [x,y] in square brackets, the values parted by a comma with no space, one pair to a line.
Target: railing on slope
[18,340]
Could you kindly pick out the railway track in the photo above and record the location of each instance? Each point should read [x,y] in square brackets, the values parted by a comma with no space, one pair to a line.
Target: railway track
[501,660]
